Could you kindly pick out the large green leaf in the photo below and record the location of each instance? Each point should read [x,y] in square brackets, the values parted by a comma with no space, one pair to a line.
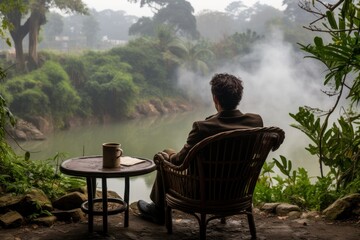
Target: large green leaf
[331,19]
[318,42]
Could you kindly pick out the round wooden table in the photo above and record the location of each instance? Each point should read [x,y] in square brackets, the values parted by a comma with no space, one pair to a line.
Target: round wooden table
[91,168]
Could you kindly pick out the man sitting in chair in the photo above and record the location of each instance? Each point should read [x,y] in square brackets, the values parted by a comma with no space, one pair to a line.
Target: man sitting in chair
[227,92]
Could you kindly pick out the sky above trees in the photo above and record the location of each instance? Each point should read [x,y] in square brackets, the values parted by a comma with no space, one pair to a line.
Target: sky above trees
[199,5]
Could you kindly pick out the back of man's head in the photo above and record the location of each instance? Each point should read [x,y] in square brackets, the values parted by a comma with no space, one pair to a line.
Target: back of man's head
[228,90]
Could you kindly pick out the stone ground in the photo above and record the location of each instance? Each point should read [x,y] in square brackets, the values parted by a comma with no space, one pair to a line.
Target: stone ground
[185,227]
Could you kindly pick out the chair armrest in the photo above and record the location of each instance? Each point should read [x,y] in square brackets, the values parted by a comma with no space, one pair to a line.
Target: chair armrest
[279,138]
[175,178]
[161,161]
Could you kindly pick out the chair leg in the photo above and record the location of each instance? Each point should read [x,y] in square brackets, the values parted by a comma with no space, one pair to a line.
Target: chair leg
[251,224]
[168,219]
[202,224]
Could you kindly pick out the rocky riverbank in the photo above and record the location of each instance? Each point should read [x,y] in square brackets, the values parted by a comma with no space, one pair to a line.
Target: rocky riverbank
[269,226]
[36,208]
[37,127]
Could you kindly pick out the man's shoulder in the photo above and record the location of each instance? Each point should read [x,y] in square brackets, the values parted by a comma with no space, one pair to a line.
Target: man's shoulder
[234,114]
[231,119]
[253,119]
[252,115]
[211,116]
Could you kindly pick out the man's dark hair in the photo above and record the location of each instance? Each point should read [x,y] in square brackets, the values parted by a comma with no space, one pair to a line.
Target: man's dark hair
[228,89]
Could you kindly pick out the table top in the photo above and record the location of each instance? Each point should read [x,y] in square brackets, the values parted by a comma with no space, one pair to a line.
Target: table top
[91,166]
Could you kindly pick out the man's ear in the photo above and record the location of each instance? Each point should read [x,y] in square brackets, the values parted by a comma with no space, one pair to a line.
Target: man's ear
[216,101]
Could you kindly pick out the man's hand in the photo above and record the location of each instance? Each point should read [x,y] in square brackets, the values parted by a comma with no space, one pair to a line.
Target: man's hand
[169,151]
[164,155]
[160,157]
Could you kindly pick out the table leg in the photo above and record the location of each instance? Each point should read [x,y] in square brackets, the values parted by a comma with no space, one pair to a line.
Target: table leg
[126,198]
[93,183]
[90,188]
[105,205]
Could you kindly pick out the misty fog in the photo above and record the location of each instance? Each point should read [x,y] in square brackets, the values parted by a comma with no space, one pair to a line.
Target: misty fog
[278,81]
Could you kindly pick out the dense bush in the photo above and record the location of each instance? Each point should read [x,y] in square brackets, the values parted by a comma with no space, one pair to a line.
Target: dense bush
[18,174]
[109,85]
[146,60]
[46,91]
[294,186]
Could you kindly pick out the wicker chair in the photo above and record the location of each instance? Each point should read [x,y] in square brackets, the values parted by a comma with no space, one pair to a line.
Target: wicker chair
[218,176]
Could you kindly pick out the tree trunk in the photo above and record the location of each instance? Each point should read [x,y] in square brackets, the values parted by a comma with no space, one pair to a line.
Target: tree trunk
[18,34]
[20,59]
[36,20]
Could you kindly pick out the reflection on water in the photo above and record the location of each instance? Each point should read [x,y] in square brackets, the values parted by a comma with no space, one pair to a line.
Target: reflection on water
[144,138]
[141,138]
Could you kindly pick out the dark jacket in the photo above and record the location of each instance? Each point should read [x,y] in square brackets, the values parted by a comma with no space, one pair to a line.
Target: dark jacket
[222,121]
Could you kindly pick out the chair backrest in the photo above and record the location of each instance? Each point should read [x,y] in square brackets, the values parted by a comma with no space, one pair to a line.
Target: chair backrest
[224,167]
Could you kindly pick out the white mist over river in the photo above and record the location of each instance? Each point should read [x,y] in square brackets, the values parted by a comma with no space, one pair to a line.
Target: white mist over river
[277,82]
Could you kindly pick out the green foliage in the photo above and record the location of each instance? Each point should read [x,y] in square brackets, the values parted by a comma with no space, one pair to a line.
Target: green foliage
[75,68]
[19,175]
[44,92]
[110,85]
[31,102]
[265,190]
[144,26]
[294,186]
[5,8]
[335,144]
[92,83]
[235,45]
[195,57]
[338,146]
[341,55]
[6,118]
[63,98]
[146,61]
[176,14]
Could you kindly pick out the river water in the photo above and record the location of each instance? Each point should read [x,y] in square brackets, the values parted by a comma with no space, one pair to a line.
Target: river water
[143,138]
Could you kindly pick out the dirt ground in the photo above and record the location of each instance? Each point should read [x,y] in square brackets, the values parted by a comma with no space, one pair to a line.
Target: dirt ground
[185,227]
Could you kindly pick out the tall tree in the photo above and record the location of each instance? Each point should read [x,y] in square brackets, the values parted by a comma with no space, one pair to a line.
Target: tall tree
[91,29]
[5,8]
[36,19]
[222,24]
[179,14]
[114,24]
[233,47]
[195,57]
[235,8]
[175,13]
[154,4]
[17,30]
[54,25]
[35,10]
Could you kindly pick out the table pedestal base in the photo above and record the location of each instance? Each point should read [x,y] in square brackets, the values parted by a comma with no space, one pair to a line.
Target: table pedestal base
[121,208]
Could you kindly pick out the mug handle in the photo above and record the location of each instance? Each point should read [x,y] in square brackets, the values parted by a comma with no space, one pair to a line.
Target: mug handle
[121,152]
